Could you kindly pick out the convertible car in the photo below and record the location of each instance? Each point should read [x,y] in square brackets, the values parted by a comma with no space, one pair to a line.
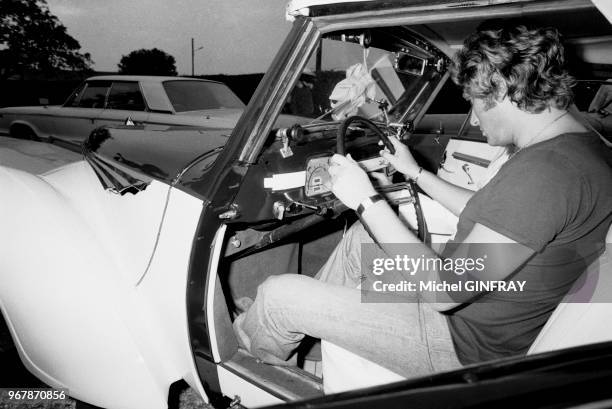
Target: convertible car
[118,99]
[121,273]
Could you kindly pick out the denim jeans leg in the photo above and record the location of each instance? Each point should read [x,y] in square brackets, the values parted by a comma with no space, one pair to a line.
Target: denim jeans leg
[343,267]
[395,335]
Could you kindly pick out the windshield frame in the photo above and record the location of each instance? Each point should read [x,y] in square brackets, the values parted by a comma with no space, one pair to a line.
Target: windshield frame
[286,69]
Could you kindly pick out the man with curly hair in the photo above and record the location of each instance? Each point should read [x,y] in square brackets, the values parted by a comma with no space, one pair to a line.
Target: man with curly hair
[550,205]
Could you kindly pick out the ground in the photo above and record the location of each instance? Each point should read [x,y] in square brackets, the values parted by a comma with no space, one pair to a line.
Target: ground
[38,158]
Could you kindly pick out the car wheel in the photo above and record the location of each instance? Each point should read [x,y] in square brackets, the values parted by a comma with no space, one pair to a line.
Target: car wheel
[23,132]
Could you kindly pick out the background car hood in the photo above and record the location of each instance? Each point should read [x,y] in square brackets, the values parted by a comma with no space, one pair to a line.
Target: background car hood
[214,118]
[227,118]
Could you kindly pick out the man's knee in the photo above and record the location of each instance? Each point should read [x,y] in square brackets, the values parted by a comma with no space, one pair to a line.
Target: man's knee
[354,237]
[356,233]
[281,289]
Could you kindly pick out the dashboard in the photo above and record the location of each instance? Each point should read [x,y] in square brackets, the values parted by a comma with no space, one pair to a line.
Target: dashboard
[291,177]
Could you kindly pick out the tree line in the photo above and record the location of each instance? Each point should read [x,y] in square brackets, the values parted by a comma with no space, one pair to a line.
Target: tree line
[33,40]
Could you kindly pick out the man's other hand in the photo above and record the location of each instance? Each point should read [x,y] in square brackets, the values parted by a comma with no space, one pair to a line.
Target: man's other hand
[402,159]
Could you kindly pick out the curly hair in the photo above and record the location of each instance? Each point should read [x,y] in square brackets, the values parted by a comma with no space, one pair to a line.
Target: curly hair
[526,65]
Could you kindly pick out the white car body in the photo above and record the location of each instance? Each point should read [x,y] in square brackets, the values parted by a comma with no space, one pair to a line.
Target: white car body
[110,325]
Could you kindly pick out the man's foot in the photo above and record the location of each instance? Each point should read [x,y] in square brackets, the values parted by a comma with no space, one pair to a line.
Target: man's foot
[243,304]
[245,343]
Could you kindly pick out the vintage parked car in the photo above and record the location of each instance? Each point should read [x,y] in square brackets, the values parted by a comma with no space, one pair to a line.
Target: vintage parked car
[119,99]
[120,273]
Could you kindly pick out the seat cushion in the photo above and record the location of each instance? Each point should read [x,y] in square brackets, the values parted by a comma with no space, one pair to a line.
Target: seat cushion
[344,370]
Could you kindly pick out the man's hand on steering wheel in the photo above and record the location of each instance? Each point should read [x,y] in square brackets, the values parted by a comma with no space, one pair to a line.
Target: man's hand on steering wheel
[349,182]
[402,160]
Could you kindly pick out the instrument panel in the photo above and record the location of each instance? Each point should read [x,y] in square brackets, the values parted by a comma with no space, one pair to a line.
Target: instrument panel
[318,180]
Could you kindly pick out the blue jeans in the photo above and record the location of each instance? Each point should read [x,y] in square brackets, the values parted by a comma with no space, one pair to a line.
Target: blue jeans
[409,338]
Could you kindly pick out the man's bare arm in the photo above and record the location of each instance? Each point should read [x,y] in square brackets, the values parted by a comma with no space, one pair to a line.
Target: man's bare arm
[451,196]
[448,195]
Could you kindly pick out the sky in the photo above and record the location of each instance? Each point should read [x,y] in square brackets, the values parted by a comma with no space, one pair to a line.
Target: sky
[237,36]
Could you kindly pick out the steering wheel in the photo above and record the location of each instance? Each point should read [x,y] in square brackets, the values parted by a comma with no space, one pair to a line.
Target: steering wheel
[341,137]
[341,150]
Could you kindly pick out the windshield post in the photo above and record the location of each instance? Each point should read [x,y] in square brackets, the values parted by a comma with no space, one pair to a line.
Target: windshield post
[255,124]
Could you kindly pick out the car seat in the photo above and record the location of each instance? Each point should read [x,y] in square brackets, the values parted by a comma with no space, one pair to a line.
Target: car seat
[576,322]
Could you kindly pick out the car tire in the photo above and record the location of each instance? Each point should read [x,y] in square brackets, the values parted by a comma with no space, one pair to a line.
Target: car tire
[23,132]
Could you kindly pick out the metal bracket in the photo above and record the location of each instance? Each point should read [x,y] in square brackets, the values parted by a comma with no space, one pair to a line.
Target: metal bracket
[466,169]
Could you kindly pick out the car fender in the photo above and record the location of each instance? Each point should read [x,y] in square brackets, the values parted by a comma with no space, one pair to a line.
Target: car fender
[85,316]
[29,124]
[38,118]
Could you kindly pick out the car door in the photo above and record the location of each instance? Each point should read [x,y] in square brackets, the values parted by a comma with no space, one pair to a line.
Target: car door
[77,118]
[468,160]
[444,142]
[125,104]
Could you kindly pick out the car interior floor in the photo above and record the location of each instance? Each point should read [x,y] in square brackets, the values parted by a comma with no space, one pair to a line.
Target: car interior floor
[240,277]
